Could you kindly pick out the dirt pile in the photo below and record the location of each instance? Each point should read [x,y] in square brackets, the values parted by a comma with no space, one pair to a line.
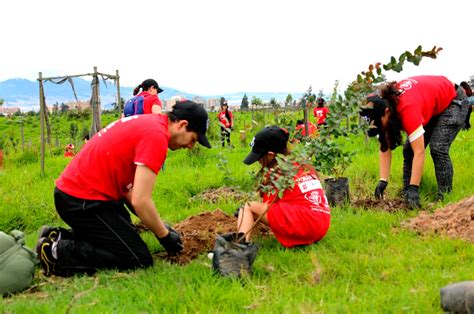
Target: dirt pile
[199,234]
[455,221]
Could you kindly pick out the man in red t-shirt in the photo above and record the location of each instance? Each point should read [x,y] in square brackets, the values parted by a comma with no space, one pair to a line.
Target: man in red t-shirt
[301,216]
[320,112]
[431,111]
[117,167]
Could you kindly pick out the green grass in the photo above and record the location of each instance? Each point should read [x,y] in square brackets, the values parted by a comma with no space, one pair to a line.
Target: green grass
[365,264]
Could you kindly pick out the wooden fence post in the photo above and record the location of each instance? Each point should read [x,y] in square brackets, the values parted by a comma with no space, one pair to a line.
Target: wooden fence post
[41,92]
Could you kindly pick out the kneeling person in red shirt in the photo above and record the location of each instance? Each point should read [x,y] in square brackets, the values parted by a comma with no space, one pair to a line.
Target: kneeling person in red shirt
[302,215]
[118,166]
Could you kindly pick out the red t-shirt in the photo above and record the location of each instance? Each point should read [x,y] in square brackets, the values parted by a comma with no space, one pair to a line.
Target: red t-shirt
[302,129]
[149,101]
[104,169]
[223,119]
[422,98]
[320,113]
[302,216]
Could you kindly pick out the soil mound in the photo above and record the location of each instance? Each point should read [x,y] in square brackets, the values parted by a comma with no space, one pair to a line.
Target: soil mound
[388,205]
[199,234]
[455,221]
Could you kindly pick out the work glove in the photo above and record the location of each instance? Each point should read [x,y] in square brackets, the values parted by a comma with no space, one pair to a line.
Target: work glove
[412,197]
[380,189]
[172,241]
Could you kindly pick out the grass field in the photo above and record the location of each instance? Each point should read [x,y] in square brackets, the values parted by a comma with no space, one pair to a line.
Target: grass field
[365,264]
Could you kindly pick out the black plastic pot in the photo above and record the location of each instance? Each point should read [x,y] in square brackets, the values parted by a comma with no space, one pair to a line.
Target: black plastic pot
[337,190]
[232,258]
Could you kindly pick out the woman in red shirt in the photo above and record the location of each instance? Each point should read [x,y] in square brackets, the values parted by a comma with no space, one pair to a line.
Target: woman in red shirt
[149,89]
[431,111]
[301,216]
[226,122]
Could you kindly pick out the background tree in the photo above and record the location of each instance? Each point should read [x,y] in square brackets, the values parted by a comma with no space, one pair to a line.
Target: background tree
[256,102]
[1,101]
[288,100]
[244,105]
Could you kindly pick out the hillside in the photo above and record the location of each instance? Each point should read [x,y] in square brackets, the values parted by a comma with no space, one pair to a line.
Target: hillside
[24,93]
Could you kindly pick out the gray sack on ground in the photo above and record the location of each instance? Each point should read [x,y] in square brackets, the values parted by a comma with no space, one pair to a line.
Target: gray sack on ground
[17,262]
[458,297]
[232,258]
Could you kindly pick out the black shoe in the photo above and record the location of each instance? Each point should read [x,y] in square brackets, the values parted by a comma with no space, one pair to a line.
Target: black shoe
[44,248]
[49,232]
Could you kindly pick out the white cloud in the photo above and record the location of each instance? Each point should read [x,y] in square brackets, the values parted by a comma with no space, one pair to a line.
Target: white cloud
[212,47]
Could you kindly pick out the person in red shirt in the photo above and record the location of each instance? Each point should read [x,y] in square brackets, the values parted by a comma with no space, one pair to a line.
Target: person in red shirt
[320,112]
[301,129]
[117,167]
[431,111]
[302,215]
[226,122]
[69,151]
[149,89]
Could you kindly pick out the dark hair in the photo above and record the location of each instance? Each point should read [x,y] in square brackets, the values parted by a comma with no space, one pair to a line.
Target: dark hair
[321,102]
[227,114]
[391,136]
[145,85]
[299,122]
[467,88]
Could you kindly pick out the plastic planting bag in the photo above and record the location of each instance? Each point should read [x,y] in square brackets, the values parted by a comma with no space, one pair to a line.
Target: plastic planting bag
[17,262]
[232,258]
[458,297]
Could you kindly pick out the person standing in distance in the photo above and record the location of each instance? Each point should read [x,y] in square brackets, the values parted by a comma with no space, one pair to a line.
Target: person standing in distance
[117,167]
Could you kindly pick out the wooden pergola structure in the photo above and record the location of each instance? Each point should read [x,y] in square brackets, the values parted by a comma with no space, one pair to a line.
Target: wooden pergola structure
[95,102]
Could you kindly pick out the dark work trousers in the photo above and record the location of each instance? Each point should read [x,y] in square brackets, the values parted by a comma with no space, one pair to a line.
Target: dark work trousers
[467,123]
[102,236]
[225,136]
[440,132]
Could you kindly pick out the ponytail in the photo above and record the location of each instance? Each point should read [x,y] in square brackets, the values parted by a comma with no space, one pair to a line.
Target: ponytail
[137,89]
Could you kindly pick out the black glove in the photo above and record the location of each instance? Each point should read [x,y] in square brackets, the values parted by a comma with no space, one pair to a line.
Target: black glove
[172,241]
[380,189]
[412,197]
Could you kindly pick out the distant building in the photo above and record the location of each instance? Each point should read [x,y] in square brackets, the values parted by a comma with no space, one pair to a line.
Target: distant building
[8,111]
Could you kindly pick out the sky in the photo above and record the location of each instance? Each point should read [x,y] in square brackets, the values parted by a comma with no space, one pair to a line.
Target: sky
[211,47]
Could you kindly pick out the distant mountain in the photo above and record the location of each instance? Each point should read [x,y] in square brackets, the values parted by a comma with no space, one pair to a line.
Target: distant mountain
[24,94]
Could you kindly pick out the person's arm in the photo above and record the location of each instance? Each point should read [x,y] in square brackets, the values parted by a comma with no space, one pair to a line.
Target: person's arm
[142,201]
[156,109]
[418,147]
[385,160]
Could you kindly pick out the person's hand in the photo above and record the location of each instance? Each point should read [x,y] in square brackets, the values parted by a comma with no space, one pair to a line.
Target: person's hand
[172,241]
[412,197]
[380,189]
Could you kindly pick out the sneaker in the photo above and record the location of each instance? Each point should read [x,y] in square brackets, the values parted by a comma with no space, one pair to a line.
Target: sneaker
[44,248]
[49,232]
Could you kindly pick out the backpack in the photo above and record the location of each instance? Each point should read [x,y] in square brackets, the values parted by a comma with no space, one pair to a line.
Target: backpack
[134,106]
[17,262]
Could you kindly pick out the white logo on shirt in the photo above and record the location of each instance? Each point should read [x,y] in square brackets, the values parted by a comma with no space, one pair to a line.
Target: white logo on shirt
[310,185]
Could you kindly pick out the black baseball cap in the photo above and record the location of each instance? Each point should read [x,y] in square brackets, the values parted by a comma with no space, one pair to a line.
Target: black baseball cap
[270,139]
[197,118]
[374,114]
[151,83]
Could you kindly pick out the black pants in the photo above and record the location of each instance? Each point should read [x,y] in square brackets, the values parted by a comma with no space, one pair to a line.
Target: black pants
[225,136]
[440,133]
[102,236]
